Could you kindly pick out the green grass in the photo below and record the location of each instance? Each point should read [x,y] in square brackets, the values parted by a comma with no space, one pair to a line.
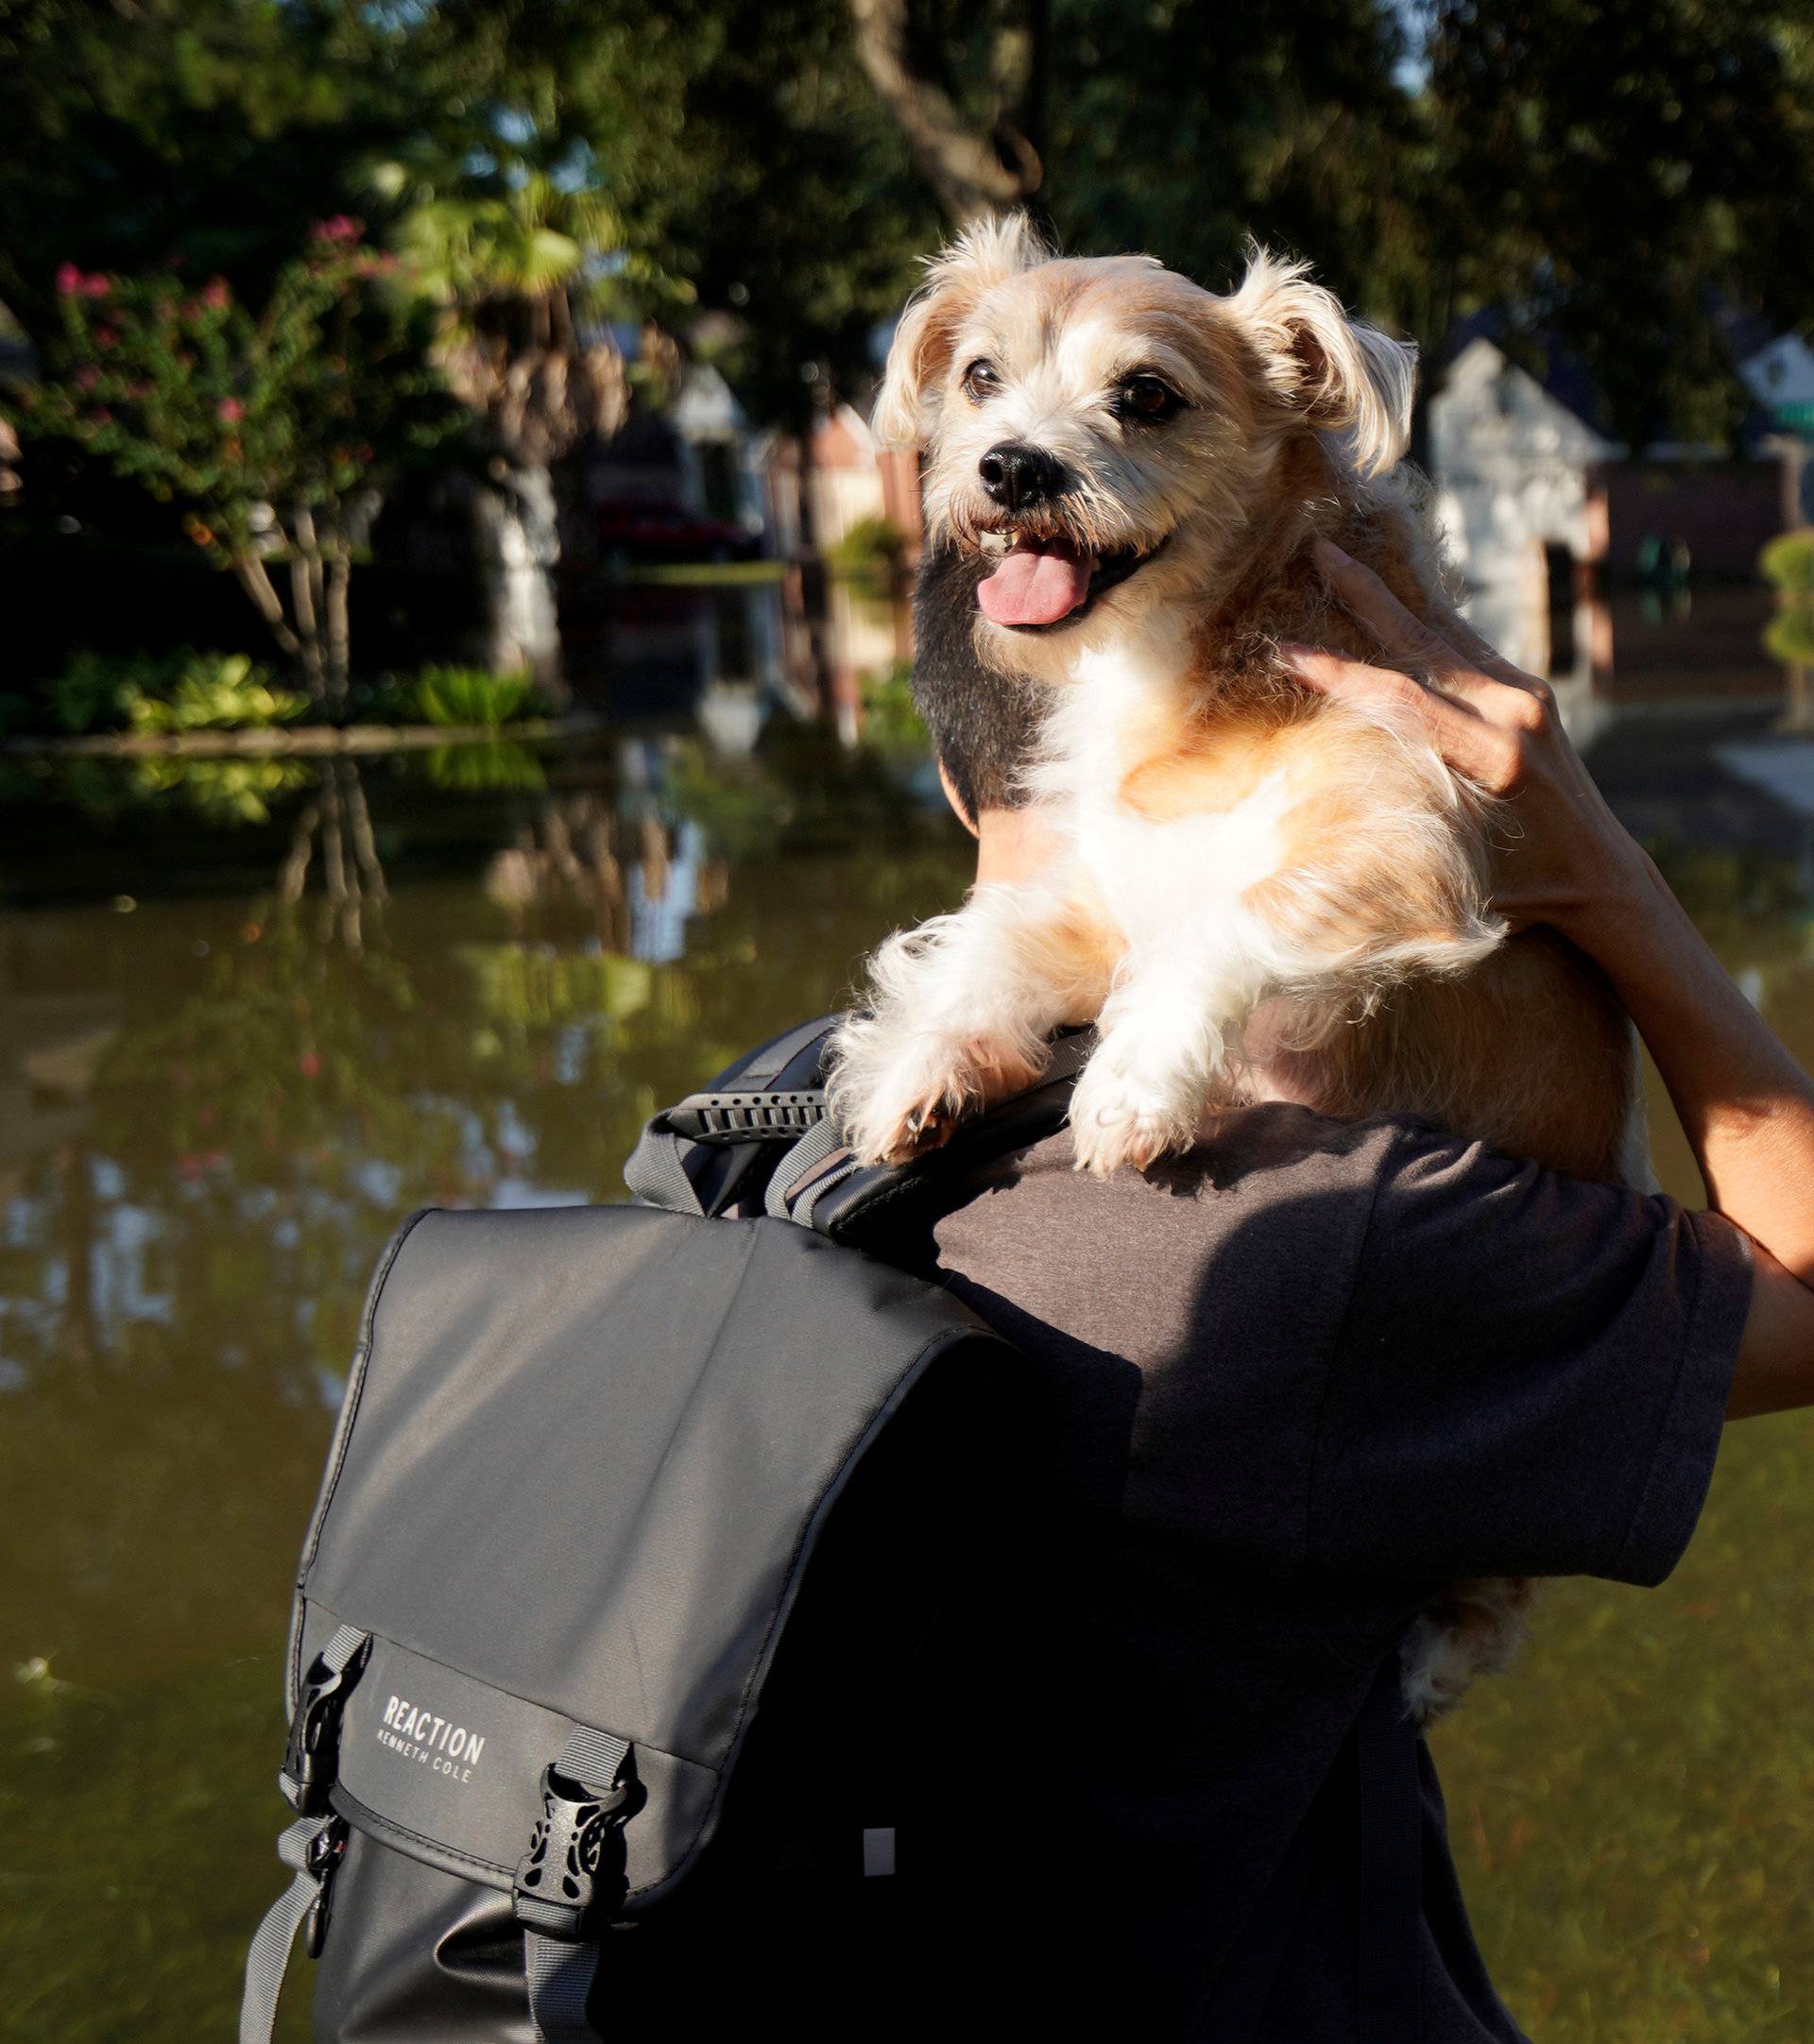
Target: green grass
[1632,1807]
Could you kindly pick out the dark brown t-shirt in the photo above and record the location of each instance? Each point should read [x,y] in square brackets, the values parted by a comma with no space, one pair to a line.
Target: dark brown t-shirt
[1301,1379]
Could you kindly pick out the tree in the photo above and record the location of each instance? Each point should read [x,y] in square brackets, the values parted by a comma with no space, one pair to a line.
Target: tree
[278,431]
[1619,173]
[1182,128]
[509,257]
[976,162]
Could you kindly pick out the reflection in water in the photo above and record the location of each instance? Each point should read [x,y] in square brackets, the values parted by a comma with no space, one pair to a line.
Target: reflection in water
[240,1039]
[231,1060]
[336,823]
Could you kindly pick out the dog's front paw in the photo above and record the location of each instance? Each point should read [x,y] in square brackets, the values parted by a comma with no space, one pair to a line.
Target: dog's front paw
[1117,1117]
[898,1099]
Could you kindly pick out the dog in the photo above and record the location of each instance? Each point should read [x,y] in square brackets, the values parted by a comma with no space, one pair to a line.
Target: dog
[1259,892]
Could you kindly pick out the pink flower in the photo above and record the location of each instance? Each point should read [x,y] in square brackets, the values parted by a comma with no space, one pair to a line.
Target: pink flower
[336,229]
[96,287]
[215,296]
[101,415]
[69,281]
[231,410]
[87,377]
[309,1065]
[106,337]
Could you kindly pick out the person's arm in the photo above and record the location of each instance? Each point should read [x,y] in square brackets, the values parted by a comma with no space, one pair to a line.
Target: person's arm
[1747,1107]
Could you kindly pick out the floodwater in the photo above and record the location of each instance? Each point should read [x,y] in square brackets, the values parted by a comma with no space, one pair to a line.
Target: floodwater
[249,1018]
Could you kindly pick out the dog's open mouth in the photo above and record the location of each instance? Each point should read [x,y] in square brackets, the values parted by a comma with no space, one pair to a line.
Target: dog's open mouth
[1044,581]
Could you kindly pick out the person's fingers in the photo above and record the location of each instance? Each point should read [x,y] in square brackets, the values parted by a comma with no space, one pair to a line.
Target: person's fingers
[1400,635]
[1464,666]
[1465,739]
[1489,659]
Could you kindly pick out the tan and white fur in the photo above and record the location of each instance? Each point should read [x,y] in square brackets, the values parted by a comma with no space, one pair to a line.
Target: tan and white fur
[1259,892]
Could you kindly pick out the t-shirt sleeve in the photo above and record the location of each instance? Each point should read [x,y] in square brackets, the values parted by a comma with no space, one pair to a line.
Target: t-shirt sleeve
[1532,1377]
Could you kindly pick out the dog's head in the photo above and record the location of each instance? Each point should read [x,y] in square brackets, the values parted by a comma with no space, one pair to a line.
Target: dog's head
[1104,430]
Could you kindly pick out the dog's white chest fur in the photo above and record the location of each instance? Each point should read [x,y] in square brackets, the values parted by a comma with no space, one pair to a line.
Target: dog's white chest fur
[1153,878]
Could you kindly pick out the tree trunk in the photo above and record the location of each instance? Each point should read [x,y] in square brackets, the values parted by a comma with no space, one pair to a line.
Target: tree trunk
[305,573]
[339,629]
[972,168]
[253,579]
[517,533]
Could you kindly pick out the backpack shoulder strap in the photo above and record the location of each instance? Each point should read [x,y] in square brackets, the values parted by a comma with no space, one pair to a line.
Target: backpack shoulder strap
[761,1133]
[820,1186]
[700,1155]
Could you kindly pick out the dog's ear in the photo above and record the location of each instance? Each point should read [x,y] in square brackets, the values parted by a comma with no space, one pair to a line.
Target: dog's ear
[984,256]
[1346,376]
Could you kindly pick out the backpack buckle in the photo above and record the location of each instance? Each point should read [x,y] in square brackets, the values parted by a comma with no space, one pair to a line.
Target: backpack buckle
[327,1849]
[311,1757]
[560,1880]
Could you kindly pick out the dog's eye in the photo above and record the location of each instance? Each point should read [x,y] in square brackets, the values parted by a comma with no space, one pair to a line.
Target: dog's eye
[980,382]
[1146,398]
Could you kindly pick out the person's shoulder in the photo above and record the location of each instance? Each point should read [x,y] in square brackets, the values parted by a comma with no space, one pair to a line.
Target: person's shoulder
[1262,1151]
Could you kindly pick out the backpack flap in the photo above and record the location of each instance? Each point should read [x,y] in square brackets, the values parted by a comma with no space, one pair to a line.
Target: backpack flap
[584,1460]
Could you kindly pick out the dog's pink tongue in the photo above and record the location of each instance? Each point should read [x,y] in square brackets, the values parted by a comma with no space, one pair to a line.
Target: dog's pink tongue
[1038,582]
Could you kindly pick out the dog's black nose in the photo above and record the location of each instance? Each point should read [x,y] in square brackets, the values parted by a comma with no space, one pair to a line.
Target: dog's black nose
[1016,475]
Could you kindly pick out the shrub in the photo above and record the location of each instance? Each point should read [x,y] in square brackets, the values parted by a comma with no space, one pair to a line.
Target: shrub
[472,695]
[1788,562]
[185,690]
[215,691]
[871,551]
[891,722]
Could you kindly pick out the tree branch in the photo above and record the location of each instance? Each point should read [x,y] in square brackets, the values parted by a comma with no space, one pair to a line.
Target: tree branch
[257,585]
[970,172]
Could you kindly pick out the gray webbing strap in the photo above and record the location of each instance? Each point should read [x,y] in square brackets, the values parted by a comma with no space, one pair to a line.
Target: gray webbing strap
[344,1642]
[269,1957]
[655,1174]
[560,1974]
[812,1148]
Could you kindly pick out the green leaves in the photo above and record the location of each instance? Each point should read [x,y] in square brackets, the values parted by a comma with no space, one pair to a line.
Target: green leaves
[314,398]
[181,692]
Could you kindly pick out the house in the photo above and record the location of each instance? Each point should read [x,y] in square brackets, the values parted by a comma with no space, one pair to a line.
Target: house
[1546,516]
[846,480]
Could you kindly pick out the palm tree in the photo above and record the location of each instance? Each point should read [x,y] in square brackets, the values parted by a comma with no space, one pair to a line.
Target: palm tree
[511,259]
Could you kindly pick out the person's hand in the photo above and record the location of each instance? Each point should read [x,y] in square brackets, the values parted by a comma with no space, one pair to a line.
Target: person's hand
[1563,855]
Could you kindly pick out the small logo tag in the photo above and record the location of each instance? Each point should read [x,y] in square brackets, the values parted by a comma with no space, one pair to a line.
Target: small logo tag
[414,1731]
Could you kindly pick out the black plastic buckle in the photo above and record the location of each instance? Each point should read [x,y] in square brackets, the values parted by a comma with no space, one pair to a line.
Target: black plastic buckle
[561,1880]
[747,1117]
[327,1849]
[312,1758]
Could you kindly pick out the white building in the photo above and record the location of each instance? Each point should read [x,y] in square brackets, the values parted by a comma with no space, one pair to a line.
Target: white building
[1513,468]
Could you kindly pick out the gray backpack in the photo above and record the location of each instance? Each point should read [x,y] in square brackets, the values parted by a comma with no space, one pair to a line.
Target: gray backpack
[655,1545]
[681,1639]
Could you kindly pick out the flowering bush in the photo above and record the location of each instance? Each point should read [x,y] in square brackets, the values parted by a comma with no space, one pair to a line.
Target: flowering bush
[279,429]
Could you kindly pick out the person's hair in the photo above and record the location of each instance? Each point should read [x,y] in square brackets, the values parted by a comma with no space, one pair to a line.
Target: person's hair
[984,725]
